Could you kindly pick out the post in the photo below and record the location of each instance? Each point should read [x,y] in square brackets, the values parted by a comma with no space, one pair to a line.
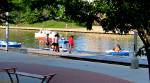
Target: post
[7,30]
[66,29]
[134,60]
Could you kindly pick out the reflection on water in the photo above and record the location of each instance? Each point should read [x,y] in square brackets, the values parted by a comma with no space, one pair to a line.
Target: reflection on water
[26,37]
[103,42]
[84,42]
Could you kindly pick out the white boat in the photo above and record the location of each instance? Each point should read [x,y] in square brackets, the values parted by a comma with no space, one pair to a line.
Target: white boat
[10,44]
[42,34]
[121,53]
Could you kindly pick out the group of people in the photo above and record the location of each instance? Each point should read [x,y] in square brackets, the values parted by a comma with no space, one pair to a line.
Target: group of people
[53,43]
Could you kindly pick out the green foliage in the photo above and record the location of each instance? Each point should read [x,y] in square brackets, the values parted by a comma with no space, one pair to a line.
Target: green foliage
[124,15]
[5,6]
[57,12]
[52,24]
[104,6]
[32,11]
[31,17]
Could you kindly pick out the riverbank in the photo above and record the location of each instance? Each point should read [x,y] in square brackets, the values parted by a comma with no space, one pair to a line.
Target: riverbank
[96,29]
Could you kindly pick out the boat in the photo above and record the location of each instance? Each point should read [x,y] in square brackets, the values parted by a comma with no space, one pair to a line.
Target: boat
[10,44]
[42,34]
[121,53]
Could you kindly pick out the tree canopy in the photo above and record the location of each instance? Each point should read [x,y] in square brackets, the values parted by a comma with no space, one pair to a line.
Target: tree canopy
[126,15]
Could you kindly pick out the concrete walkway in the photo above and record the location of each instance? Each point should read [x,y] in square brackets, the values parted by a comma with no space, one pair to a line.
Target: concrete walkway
[109,71]
[63,75]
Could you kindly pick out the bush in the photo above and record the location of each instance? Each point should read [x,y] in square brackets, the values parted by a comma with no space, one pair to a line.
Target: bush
[31,17]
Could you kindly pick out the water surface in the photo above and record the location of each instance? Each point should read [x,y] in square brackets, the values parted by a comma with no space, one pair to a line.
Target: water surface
[84,42]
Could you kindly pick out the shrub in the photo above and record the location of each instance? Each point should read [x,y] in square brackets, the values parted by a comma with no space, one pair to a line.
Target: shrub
[31,17]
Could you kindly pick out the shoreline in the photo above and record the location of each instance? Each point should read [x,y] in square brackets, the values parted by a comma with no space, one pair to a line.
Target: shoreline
[57,29]
[96,29]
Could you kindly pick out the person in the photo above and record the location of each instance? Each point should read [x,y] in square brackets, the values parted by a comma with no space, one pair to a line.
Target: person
[117,48]
[56,43]
[71,43]
[61,42]
[48,42]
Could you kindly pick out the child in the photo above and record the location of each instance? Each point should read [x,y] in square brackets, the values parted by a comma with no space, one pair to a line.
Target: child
[71,43]
[48,42]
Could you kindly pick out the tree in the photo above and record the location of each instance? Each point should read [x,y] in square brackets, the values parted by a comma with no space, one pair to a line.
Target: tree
[5,6]
[80,11]
[32,11]
[127,15]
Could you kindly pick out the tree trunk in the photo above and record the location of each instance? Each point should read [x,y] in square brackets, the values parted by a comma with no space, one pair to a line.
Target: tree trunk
[147,49]
[145,39]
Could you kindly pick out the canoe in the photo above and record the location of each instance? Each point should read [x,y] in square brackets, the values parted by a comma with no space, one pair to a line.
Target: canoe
[10,44]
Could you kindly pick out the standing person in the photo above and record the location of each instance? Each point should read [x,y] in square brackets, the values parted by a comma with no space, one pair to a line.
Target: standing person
[56,43]
[48,42]
[71,43]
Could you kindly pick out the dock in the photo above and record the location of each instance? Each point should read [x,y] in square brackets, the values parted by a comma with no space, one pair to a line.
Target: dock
[120,60]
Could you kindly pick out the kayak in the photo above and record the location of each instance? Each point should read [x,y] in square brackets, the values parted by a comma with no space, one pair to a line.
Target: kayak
[10,44]
[121,53]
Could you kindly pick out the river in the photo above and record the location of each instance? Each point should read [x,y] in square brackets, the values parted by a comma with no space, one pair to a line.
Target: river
[84,42]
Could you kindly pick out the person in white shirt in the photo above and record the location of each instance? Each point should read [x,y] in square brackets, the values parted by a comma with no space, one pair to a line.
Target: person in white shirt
[55,43]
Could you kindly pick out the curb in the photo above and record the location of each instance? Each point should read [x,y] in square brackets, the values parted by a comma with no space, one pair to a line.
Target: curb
[103,61]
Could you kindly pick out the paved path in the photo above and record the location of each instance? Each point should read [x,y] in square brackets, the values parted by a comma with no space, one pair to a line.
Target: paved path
[64,75]
[29,62]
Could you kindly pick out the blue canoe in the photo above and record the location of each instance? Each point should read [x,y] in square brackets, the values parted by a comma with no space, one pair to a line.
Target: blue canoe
[121,53]
[10,44]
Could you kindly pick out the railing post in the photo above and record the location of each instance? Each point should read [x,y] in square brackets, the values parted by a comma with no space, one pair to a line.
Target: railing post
[7,30]
[134,60]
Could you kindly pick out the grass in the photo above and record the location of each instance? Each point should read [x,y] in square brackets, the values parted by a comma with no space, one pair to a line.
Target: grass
[52,24]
